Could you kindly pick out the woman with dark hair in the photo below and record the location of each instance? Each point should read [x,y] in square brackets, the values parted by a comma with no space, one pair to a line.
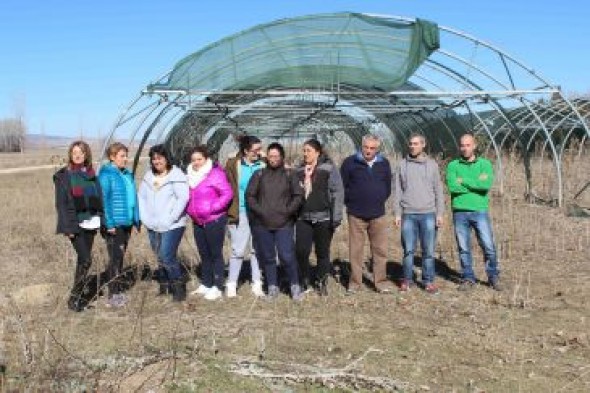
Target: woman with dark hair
[320,214]
[121,215]
[273,198]
[78,202]
[163,196]
[210,196]
[239,170]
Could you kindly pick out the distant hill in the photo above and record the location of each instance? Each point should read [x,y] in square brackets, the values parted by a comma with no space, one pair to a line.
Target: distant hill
[38,141]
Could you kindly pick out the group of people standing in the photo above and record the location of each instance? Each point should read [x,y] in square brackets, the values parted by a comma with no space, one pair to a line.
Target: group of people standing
[276,211]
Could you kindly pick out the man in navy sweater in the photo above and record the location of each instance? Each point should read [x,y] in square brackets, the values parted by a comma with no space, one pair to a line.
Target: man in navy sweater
[366,176]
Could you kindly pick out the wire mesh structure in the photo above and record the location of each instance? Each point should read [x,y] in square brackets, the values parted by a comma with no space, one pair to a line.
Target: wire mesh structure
[340,76]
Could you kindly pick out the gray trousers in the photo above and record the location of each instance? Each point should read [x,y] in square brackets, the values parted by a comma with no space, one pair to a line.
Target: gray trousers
[241,239]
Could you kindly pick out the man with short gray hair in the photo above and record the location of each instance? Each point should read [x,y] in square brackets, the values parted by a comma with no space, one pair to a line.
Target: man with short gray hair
[366,176]
[418,204]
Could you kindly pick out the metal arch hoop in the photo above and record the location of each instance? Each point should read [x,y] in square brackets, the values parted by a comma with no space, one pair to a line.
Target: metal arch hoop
[511,89]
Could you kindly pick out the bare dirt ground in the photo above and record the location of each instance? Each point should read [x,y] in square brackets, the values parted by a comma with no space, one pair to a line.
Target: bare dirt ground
[533,337]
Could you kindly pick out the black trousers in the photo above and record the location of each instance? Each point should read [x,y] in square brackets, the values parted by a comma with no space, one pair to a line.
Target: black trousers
[320,235]
[209,239]
[116,247]
[82,243]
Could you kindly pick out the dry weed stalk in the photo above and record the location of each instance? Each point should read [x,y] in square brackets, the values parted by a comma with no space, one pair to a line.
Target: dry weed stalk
[26,347]
[342,378]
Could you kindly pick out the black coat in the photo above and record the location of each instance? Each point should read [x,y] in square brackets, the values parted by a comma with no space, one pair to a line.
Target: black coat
[273,197]
[327,196]
[67,219]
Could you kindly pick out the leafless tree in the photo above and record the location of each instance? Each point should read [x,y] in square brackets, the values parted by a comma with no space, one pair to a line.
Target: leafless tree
[13,129]
[12,135]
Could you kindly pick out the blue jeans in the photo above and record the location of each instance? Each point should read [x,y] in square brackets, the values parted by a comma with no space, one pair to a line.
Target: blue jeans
[423,227]
[209,239]
[480,221]
[273,241]
[165,245]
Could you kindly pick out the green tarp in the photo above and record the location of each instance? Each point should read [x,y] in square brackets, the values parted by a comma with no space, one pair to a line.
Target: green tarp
[316,52]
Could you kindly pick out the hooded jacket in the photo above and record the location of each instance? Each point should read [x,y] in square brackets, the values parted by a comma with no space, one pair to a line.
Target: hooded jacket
[162,205]
[273,198]
[211,198]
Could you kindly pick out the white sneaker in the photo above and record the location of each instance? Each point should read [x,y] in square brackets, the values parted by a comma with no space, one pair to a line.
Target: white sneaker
[231,289]
[201,290]
[213,294]
[257,289]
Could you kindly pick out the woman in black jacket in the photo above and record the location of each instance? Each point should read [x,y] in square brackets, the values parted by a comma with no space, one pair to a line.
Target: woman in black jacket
[78,202]
[320,214]
[273,198]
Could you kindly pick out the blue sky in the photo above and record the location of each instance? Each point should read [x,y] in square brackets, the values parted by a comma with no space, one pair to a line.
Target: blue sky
[73,65]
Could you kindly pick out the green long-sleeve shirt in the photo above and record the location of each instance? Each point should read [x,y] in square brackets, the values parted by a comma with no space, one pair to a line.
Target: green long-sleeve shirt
[469,183]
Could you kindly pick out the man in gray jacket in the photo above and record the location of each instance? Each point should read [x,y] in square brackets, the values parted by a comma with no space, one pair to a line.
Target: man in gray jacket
[418,208]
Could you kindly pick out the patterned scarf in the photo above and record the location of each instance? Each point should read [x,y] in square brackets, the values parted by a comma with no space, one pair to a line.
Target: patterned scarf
[84,191]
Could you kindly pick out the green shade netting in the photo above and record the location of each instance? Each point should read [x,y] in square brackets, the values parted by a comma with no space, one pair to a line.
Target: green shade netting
[311,52]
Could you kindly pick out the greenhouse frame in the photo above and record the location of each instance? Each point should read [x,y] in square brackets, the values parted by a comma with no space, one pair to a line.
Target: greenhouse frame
[337,77]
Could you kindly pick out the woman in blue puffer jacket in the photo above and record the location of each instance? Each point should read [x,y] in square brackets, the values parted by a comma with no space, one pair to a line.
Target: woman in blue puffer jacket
[121,214]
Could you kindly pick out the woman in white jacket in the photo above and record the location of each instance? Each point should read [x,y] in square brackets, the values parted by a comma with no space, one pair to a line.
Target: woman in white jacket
[163,196]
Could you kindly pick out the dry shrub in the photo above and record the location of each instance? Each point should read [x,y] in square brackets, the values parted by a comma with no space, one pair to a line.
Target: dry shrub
[531,337]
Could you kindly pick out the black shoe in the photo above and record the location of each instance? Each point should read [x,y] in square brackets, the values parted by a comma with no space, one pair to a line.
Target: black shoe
[466,286]
[165,289]
[495,283]
[79,292]
[178,291]
[323,288]
[306,285]
[77,303]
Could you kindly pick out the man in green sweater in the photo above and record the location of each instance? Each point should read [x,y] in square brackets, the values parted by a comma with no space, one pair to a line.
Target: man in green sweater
[469,179]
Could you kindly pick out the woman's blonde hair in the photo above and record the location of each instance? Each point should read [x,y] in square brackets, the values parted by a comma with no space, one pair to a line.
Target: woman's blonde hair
[115,148]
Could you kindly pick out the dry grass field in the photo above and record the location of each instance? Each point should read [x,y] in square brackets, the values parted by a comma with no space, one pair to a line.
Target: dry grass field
[533,337]
[48,156]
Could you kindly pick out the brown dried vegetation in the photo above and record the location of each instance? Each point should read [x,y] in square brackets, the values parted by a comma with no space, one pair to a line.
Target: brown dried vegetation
[533,337]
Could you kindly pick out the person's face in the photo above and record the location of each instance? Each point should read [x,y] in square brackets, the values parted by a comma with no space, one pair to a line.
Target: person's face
[310,155]
[254,152]
[370,149]
[119,159]
[78,155]
[416,146]
[274,158]
[467,146]
[197,160]
[159,163]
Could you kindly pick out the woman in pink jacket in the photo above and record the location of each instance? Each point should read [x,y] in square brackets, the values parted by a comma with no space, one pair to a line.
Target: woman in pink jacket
[210,196]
